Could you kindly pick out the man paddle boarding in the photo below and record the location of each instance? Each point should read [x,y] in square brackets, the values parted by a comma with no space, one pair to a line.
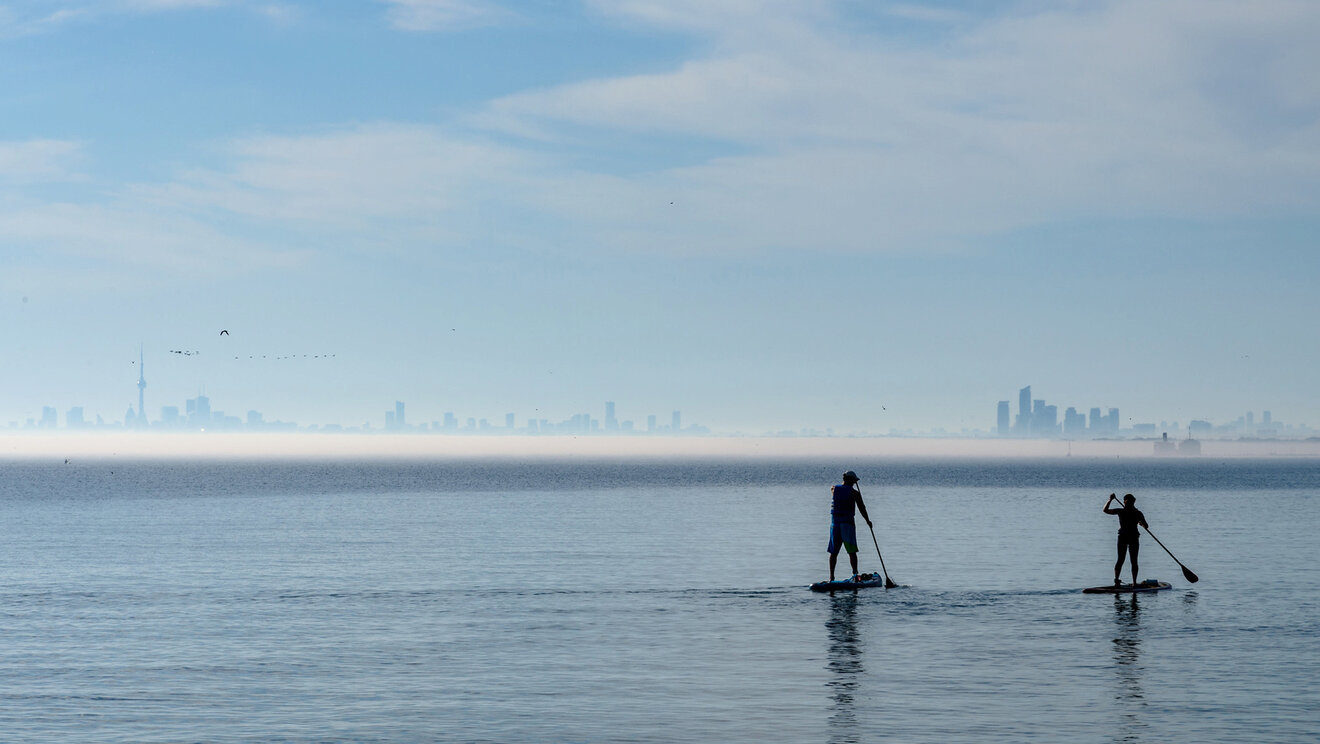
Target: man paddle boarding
[1129,538]
[843,531]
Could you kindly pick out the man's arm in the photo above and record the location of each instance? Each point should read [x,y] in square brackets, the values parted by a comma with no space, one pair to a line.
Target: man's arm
[861,506]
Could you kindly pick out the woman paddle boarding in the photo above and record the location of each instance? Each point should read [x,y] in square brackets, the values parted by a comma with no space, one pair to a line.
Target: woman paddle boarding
[1129,538]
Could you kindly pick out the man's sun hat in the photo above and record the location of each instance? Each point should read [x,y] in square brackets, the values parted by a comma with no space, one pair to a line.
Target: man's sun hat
[850,475]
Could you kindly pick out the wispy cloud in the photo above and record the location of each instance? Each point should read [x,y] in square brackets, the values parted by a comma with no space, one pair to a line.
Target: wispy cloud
[114,230]
[445,15]
[16,22]
[150,5]
[23,19]
[105,247]
[278,202]
[925,14]
[39,160]
[344,179]
[826,138]
[861,140]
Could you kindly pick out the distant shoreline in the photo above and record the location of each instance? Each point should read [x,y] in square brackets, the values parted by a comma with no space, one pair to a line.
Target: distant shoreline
[403,446]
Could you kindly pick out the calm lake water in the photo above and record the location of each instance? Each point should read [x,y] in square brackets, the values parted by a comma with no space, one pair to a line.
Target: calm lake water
[651,601]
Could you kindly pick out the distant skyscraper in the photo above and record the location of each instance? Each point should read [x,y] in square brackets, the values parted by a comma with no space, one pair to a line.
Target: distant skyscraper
[1038,427]
[399,421]
[142,391]
[1004,429]
[508,421]
[611,423]
[199,411]
[1024,411]
[1113,421]
[49,417]
[74,418]
[1048,423]
[677,424]
[1074,423]
[650,423]
[1097,421]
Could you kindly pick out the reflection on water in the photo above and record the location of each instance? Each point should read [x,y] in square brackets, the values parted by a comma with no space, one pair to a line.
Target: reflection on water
[1128,695]
[845,665]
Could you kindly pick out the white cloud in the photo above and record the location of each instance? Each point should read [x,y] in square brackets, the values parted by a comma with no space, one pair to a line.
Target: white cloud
[278,202]
[115,230]
[125,235]
[344,179]
[444,15]
[727,18]
[279,13]
[860,139]
[925,14]
[39,160]
[151,5]
[35,21]
[36,18]
[834,139]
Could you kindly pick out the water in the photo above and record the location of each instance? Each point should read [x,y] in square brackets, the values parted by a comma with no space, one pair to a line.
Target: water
[644,601]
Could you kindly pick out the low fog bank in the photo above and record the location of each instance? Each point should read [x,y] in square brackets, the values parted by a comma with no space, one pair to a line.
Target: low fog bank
[380,446]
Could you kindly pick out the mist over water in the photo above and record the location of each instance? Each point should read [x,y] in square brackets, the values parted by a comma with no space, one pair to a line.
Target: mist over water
[649,599]
[431,447]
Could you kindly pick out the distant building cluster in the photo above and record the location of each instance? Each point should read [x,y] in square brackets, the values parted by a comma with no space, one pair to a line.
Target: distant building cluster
[197,415]
[1035,419]
[582,423]
[1038,420]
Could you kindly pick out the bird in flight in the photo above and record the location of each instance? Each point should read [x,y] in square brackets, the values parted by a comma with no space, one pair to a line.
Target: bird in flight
[224,333]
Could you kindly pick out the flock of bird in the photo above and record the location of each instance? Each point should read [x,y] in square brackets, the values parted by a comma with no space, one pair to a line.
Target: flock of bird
[194,352]
[290,356]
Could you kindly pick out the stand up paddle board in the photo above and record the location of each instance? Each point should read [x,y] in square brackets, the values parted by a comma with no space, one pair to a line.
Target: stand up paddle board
[863,581]
[1149,585]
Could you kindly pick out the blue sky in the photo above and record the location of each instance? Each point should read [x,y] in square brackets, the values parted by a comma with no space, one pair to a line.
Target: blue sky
[850,215]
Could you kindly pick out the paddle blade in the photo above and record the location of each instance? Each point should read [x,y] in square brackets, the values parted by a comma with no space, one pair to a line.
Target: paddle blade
[889,583]
[1187,574]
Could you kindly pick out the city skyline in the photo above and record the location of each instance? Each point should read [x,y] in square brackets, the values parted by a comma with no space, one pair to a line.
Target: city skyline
[1035,420]
[198,415]
[825,216]
[1038,420]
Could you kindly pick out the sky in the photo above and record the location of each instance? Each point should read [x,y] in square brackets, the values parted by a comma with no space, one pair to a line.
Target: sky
[855,216]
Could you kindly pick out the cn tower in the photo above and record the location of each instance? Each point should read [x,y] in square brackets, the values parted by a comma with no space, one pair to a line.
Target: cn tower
[142,387]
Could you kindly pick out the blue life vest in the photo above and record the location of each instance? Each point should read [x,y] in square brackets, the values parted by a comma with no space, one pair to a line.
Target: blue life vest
[845,503]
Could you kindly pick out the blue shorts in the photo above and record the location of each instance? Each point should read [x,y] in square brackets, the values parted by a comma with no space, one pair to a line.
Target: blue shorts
[843,535]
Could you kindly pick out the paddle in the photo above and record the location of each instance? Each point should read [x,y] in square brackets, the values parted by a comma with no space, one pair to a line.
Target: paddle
[1187,572]
[889,583]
